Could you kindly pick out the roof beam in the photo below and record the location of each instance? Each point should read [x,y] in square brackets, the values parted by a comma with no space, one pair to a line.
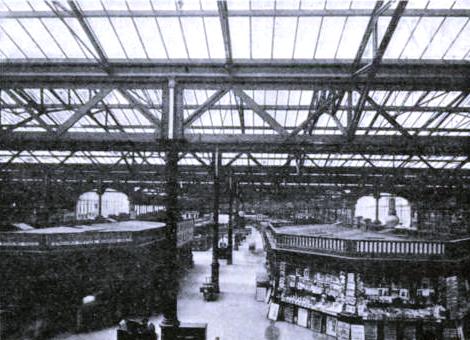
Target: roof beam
[371,68]
[204,107]
[246,74]
[388,117]
[392,25]
[462,163]
[141,107]
[135,173]
[455,103]
[295,107]
[241,114]
[237,156]
[82,111]
[318,105]
[90,34]
[266,117]
[34,115]
[378,144]
[251,157]
[136,13]
[200,160]
[156,169]
[338,98]
[223,17]
[368,32]
[380,51]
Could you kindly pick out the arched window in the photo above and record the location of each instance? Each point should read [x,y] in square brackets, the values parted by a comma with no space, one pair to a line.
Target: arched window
[112,203]
[365,207]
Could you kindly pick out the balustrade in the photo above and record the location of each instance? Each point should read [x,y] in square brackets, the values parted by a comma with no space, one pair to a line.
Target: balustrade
[371,247]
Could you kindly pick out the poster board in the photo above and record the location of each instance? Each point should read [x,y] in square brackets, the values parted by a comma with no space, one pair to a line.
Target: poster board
[260,293]
[343,330]
[357,332]
[289,313]
[331,325]
[273,311]
[268,295]
[302,317]
[316,321]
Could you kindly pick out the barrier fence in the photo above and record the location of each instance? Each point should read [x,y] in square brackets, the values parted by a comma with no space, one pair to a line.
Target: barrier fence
[371,248]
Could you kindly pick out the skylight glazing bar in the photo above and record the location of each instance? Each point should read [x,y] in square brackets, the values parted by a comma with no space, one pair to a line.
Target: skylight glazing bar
[32,38]
[154,15]
[117,35]
[457,36]
[81,45]
[432,38]
[137,31]
[14,42]
[340,37]
[89,33]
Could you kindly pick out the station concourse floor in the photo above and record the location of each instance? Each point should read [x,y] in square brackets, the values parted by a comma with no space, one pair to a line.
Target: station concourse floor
[236,314]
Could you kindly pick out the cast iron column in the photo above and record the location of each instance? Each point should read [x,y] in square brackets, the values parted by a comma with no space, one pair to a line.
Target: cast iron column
[236,217]
[100,204]
[377,198]
[230,221]
[44,210]
[171,122]
[215,231]
[170,318]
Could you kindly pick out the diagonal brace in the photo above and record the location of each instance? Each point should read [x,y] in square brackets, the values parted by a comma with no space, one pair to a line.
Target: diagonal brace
[82,111]
[266,117]
[204,107]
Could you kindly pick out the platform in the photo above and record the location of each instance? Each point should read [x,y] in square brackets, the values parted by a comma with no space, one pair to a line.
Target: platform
[236,314]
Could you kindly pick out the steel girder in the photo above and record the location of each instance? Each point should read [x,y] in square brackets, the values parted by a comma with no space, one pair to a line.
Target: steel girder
[145,173]
[379,145]
[137,13]
[244,74]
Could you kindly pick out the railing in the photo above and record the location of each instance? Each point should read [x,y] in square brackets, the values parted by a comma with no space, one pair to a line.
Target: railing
[41,242]
[371,248]
[393,247]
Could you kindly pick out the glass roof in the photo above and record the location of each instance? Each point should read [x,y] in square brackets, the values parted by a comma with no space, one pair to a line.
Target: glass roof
[260,29]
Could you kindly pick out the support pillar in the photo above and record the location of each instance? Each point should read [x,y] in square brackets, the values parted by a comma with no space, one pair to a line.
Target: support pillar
[215,239]
[230,221]
[100,191]
[170,322]
[377,198]
[132,209]
[100,204]
[171,133]
[44,209]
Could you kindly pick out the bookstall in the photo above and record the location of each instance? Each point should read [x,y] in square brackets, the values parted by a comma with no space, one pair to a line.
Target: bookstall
[355,306]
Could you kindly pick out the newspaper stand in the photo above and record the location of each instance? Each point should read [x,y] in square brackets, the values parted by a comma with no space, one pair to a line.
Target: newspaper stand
[262,285]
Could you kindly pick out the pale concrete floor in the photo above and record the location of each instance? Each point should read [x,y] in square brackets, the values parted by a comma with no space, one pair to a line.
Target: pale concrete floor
[236,314]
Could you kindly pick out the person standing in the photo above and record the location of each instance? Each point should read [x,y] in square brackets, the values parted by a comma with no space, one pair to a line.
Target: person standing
[272,332]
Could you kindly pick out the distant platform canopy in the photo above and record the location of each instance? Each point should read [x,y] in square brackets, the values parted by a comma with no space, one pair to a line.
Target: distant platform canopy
[99,228]
[126,233]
